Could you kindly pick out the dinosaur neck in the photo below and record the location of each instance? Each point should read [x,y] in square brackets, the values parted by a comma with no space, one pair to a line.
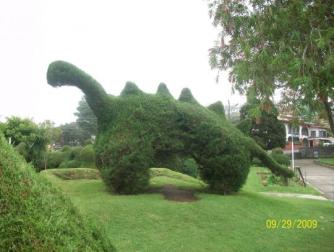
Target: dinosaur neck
[61,73]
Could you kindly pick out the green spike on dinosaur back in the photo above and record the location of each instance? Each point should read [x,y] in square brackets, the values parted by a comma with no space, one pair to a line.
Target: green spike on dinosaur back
[186,96]
[218,108]
[163,90]
[131,89]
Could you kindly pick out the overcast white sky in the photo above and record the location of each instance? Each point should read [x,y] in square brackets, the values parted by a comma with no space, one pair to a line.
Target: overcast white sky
[147,42]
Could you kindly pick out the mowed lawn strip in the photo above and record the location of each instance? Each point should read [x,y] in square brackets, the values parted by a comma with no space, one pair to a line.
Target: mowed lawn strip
[147,222]
[327,161]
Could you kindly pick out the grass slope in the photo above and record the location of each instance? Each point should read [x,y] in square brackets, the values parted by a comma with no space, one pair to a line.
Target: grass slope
[34,216]
[147,222]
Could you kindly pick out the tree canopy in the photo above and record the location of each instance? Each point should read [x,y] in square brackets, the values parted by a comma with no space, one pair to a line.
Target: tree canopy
[86,119]
[260,122]
[268,44]
[29,138]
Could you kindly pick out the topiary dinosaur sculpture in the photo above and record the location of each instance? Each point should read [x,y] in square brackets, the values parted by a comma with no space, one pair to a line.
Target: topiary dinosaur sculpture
[137,131]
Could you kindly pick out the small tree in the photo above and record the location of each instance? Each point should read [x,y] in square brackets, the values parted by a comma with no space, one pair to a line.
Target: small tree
[260,122]
[28,137]
[86,120]
[72,134]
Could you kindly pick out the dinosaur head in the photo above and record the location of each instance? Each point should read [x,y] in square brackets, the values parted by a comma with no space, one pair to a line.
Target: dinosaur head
[62,73]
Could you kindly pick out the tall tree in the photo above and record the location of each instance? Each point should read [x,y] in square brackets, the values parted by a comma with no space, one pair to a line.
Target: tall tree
[52,133]
[274,44]
[86,119]
[260,122]
[73,135]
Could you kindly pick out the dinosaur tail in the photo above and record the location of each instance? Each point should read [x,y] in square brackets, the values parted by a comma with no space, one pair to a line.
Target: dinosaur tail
[61,73]
[275,168]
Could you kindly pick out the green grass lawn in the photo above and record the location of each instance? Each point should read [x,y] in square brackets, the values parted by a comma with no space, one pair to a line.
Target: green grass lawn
[327,161]
[147,222]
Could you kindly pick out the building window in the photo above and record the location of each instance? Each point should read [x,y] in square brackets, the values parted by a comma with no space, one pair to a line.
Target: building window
[304,131]
[313,133]
[295,139]
[293,130]
[322,133]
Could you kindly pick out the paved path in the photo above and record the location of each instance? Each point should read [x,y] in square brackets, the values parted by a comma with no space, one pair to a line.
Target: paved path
[295,195]
[320,177]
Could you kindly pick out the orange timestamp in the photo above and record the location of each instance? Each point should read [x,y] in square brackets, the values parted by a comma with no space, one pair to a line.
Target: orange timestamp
[291,224]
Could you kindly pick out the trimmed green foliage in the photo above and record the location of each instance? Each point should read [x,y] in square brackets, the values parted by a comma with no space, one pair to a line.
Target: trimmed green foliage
[218,108]
[34,216]
[163,176]
[131,89]
[187,96]
[163,90]
[280,158]
[137,131]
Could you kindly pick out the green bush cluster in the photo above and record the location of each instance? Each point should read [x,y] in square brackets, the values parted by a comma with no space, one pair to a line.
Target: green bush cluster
[70,157]
[34,216]
[137,131]
[190,167]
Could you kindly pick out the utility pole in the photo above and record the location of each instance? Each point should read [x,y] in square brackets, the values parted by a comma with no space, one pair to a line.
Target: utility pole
[292,155]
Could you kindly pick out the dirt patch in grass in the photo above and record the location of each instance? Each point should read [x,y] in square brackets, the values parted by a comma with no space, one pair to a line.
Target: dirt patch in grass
[172,193]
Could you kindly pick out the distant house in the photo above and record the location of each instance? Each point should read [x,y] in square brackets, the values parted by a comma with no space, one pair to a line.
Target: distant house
[304,134]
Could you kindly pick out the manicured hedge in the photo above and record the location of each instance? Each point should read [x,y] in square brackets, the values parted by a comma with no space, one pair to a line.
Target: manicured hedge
[137,131]
[34,216]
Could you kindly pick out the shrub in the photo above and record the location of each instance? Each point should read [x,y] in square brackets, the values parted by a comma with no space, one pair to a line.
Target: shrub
[55,158]
[87,156]
[218,108]
[190,167]
[66,148]
[75,152]
[34,216]
[137,131]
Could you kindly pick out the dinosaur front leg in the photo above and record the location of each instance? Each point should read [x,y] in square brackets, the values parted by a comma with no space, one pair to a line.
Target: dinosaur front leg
[125,165]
